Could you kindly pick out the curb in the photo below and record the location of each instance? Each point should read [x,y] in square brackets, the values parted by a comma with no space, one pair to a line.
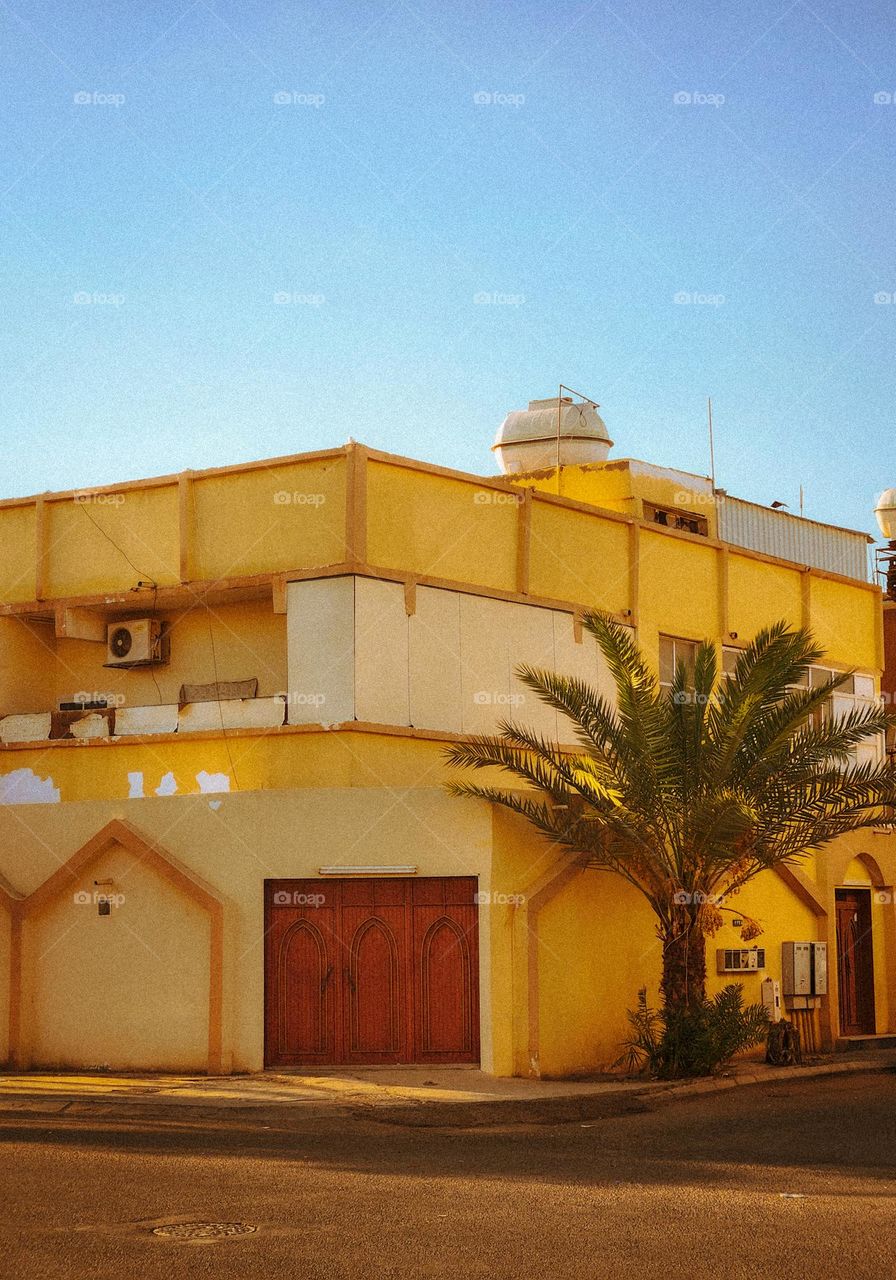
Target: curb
[605,1105]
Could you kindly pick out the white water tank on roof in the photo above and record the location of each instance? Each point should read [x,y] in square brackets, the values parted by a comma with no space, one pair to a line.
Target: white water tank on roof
[885,511]
[527,439]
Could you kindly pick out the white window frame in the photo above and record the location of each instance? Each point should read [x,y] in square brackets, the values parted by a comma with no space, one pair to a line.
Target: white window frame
[689,657]
[858,691]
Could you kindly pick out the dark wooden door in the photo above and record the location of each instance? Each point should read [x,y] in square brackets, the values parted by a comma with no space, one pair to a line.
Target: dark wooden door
[371,971]
[855,962]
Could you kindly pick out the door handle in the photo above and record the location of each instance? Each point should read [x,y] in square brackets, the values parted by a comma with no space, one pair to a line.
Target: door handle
[347,973]
[326,979]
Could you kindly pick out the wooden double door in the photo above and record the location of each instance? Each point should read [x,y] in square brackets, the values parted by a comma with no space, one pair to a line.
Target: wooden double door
[371,971]
[855,962]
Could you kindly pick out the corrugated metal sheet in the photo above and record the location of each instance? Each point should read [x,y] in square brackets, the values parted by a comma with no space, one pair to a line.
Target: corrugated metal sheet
[775,533]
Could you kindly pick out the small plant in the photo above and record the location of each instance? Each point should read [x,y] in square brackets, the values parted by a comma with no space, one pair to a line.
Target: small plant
[694,1041]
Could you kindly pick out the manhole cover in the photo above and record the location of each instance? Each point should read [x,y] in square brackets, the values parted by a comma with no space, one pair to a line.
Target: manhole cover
[203,1230]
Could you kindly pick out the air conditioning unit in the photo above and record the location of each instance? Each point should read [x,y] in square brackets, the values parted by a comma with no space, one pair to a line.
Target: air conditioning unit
[740,960]
[138,642]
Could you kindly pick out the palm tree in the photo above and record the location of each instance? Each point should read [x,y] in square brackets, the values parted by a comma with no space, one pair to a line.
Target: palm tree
[689,793]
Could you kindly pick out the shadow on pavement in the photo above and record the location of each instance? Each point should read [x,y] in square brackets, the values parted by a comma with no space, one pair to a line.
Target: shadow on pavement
[843,1124]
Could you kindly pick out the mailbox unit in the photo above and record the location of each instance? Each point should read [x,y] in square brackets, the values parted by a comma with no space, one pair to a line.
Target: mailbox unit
[739,959]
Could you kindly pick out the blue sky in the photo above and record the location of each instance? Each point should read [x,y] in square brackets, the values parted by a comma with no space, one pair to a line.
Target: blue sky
[233,231]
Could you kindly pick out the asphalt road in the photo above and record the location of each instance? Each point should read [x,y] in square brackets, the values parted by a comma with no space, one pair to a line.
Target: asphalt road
[792,1180]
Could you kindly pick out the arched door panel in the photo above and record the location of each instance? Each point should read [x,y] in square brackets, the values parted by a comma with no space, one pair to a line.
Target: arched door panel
[445,962]
[300,963]
[374,991]
[303,985]
[445,991]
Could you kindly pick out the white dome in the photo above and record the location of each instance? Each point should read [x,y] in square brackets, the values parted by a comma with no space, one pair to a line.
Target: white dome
[885,511]
[527,438]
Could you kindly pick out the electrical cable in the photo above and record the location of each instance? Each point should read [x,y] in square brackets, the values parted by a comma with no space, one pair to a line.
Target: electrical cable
[151,581]
[148,577]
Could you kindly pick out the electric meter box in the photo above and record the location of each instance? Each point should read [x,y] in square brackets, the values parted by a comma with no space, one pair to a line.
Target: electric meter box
[804,968]
[771,999]
[819,968]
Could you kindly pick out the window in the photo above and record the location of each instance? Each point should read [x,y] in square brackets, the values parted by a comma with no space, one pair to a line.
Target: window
[729,660]
[820,675]
[674,650]
[856,691]
[673,518]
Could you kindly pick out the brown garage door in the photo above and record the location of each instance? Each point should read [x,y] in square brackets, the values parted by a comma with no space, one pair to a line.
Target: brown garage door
[371,971]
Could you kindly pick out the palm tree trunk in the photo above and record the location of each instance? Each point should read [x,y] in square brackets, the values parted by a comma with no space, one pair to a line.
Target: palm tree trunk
[683,982]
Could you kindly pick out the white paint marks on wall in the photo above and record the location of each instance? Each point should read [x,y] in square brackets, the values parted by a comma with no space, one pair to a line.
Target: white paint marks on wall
[23,786]
[208,783]
[212,781]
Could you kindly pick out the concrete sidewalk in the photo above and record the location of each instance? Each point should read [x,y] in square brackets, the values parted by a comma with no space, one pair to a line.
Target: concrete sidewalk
[417,1096]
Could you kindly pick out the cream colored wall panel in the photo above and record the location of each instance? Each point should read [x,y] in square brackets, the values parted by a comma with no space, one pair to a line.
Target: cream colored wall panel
[320,618]
[381,652]
[25,728]
[578,660]
[136,720]
[93,725]
[574,658]
[200,717]
[434,661]
[583,659]
[233,713]
[485,653]
[531,635]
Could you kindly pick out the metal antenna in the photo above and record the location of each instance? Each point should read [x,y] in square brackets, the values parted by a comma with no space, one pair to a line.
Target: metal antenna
[559,417]
[712,451]
[581,396]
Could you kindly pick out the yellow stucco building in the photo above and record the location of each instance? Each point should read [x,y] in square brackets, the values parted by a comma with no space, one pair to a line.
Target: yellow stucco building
[225,695]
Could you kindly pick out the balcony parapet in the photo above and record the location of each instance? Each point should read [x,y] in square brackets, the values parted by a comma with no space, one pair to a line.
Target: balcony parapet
[122,722]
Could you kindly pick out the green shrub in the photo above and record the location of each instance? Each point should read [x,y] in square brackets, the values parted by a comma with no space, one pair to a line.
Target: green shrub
[697,1041]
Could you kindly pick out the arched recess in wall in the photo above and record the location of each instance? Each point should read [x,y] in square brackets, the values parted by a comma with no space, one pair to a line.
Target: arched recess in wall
[868,861]
[153,858]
